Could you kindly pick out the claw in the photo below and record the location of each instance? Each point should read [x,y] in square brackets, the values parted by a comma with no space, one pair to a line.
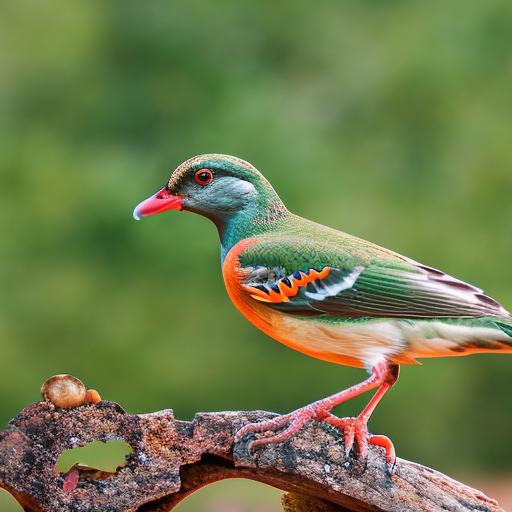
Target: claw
[349,435]
[354,431]
[347,427]
[387,444]
[361,438]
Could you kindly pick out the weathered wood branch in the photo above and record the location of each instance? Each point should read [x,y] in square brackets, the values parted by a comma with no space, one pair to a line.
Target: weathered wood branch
[171,459]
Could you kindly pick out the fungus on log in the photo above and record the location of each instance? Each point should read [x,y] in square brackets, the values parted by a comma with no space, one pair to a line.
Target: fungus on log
[171,459]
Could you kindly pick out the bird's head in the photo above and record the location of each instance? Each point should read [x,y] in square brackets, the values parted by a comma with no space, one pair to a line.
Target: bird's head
[216,186]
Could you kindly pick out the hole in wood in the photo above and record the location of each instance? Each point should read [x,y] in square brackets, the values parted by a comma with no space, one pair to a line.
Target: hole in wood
[234,495]
[8,503]
[95,460]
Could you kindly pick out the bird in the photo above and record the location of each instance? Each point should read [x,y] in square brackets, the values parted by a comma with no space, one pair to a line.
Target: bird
[328,294]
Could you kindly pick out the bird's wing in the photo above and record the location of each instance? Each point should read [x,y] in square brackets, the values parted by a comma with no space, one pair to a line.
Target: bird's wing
[305,278]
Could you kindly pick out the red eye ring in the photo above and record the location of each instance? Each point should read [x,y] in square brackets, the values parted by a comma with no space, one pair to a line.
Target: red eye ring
[203,177]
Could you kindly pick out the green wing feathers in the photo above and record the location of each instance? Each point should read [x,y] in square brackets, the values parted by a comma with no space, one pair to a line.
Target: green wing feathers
[368,282]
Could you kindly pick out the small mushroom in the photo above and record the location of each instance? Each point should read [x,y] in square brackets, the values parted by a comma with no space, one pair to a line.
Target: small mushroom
[93,397]
[64,391]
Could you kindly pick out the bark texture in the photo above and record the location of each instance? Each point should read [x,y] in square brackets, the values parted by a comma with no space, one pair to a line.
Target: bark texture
[171,459]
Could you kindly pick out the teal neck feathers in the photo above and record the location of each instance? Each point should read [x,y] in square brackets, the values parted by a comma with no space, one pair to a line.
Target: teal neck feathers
[266,214]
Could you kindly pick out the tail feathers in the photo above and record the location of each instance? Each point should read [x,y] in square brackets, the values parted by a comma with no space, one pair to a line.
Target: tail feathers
[506,328]
[504,343]
[501,343]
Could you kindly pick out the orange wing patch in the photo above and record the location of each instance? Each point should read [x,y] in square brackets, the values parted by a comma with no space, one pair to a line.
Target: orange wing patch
[286,287]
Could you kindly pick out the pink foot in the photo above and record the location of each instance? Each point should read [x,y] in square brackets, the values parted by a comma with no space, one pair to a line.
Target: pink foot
[355,431]
[291,423]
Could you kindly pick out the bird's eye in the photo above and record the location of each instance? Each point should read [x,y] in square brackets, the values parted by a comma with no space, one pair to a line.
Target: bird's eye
[203,177]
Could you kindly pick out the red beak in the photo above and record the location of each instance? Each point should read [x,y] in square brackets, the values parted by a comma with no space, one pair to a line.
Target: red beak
[162,201]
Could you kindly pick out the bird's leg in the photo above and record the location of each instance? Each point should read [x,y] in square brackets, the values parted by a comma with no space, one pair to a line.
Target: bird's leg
[356,429]
[382,376]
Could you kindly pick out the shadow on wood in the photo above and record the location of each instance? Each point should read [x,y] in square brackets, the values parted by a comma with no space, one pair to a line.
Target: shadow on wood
[171,459]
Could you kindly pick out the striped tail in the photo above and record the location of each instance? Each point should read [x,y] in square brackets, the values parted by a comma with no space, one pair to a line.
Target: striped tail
[492,335]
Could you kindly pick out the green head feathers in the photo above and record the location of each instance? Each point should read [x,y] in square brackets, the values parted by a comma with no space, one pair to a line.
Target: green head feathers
[221,186]
[227,190]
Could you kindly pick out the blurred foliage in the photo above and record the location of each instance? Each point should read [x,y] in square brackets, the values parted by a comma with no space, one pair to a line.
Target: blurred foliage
[390,120]
[98,455]
[225,496]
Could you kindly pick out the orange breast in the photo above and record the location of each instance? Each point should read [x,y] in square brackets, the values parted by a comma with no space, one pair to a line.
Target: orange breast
[272,322]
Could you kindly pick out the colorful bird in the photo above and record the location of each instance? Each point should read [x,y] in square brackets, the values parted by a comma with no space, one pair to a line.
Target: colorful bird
[328,294]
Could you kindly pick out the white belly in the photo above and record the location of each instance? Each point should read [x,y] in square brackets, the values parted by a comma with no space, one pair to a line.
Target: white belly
[400,341]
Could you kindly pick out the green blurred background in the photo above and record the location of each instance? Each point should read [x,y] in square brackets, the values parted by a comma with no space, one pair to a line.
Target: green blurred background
[389,120]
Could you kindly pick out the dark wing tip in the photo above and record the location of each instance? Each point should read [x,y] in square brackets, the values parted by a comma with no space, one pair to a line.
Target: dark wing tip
[475,295]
